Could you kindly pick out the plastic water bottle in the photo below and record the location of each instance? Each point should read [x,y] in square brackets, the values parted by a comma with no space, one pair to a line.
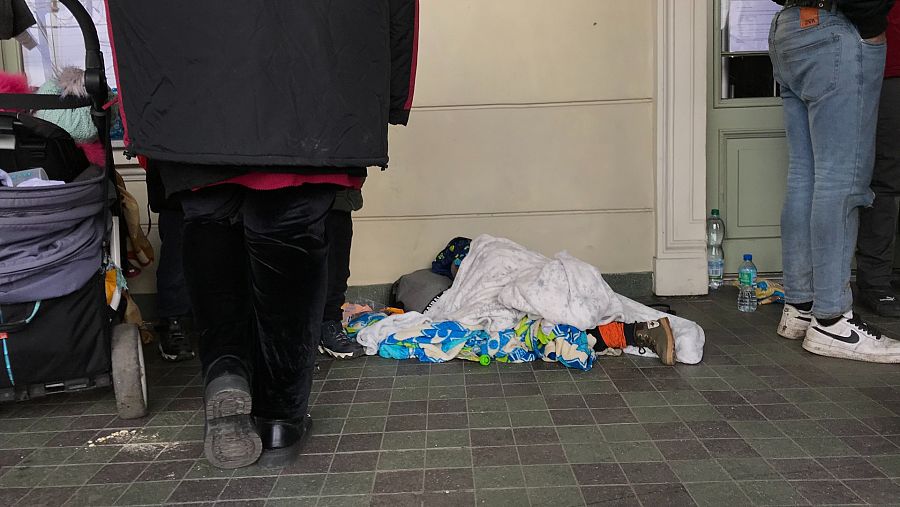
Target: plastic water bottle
[747,277]
[715,257]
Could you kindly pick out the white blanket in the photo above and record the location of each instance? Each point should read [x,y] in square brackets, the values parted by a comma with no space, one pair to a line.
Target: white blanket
[500,282]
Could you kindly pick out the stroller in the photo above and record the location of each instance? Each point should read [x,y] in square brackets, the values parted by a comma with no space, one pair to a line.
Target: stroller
[61,304]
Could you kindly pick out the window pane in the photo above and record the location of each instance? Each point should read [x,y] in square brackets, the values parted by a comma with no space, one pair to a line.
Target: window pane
[747,76]
[745,25]
[58,41]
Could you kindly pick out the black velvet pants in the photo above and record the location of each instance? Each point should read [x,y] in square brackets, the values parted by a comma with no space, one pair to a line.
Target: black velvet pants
[256,266]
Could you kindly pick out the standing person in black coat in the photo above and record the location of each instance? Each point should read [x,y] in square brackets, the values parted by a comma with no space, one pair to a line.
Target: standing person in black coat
[257,115]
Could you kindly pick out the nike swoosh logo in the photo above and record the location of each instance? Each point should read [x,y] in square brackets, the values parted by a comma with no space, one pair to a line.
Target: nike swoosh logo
[853,338]
[800,317]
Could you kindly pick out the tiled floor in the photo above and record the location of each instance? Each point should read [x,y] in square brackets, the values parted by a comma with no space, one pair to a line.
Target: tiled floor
[759,422]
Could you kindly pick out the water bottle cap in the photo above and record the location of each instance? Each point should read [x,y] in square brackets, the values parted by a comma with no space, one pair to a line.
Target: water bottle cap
[748,257]
[714,213]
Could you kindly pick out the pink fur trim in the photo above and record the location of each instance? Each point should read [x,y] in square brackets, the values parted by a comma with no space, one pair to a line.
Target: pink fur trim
[13,83]
[95,153]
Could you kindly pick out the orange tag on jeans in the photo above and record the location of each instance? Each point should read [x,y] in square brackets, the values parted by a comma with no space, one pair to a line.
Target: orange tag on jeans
[809,17]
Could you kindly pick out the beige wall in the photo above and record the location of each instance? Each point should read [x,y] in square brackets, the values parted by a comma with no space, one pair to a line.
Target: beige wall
[533,120]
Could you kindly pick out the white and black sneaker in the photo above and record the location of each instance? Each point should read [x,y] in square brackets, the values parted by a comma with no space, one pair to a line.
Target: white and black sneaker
[335,343]
[174,344]
[851,338]
[794,323]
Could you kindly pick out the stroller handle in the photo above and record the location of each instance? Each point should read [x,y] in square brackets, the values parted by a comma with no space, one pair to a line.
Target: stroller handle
[94,70]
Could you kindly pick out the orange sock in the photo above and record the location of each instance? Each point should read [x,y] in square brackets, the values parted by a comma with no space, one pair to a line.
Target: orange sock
[613,335]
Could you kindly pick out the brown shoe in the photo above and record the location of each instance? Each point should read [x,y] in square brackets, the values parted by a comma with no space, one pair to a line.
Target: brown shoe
[657,336]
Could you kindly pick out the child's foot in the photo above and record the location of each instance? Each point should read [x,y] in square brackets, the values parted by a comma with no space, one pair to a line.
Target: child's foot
[657,336]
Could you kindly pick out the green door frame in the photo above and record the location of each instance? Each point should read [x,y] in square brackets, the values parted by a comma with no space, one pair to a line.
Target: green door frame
[742,135]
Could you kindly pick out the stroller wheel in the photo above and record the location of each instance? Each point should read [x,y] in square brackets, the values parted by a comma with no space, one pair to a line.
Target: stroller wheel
[129,378]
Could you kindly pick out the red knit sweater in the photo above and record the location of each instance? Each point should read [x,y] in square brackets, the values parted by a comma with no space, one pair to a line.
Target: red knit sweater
[892,65]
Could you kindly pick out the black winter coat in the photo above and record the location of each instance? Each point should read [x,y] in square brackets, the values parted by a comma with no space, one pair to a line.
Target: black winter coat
[264,83]
[869,16]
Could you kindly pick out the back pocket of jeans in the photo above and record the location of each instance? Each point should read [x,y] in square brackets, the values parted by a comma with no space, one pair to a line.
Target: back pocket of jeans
[814,68]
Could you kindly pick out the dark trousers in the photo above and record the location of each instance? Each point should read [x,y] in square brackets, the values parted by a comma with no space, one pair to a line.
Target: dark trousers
[256,263]
[339,227]
[878,224]
[172,298]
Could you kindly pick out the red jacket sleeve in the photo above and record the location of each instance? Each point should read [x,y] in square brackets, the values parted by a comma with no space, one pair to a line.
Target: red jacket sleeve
[404,54]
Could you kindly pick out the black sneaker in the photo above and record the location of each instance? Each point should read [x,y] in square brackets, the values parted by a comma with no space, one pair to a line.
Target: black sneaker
[173,341]
[882,302]
[336,344]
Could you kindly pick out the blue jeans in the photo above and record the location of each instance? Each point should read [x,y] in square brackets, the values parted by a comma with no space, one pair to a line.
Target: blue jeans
[830,82]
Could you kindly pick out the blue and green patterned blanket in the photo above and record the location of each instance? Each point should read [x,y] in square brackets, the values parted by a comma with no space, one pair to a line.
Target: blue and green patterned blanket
[530,340]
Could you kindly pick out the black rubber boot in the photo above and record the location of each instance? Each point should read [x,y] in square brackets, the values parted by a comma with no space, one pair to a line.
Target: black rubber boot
[231,439]
[282,440]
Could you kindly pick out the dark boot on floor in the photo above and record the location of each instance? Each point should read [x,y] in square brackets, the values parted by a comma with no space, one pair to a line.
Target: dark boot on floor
[282,440]
[882,302]
[657,336]
[231,438]
[174,344]
[336,344]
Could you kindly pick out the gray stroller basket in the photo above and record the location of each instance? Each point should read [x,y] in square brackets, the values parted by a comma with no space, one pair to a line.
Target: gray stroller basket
[53,238]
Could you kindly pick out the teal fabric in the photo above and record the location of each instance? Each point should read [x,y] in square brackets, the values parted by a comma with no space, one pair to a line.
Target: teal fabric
[77,122]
